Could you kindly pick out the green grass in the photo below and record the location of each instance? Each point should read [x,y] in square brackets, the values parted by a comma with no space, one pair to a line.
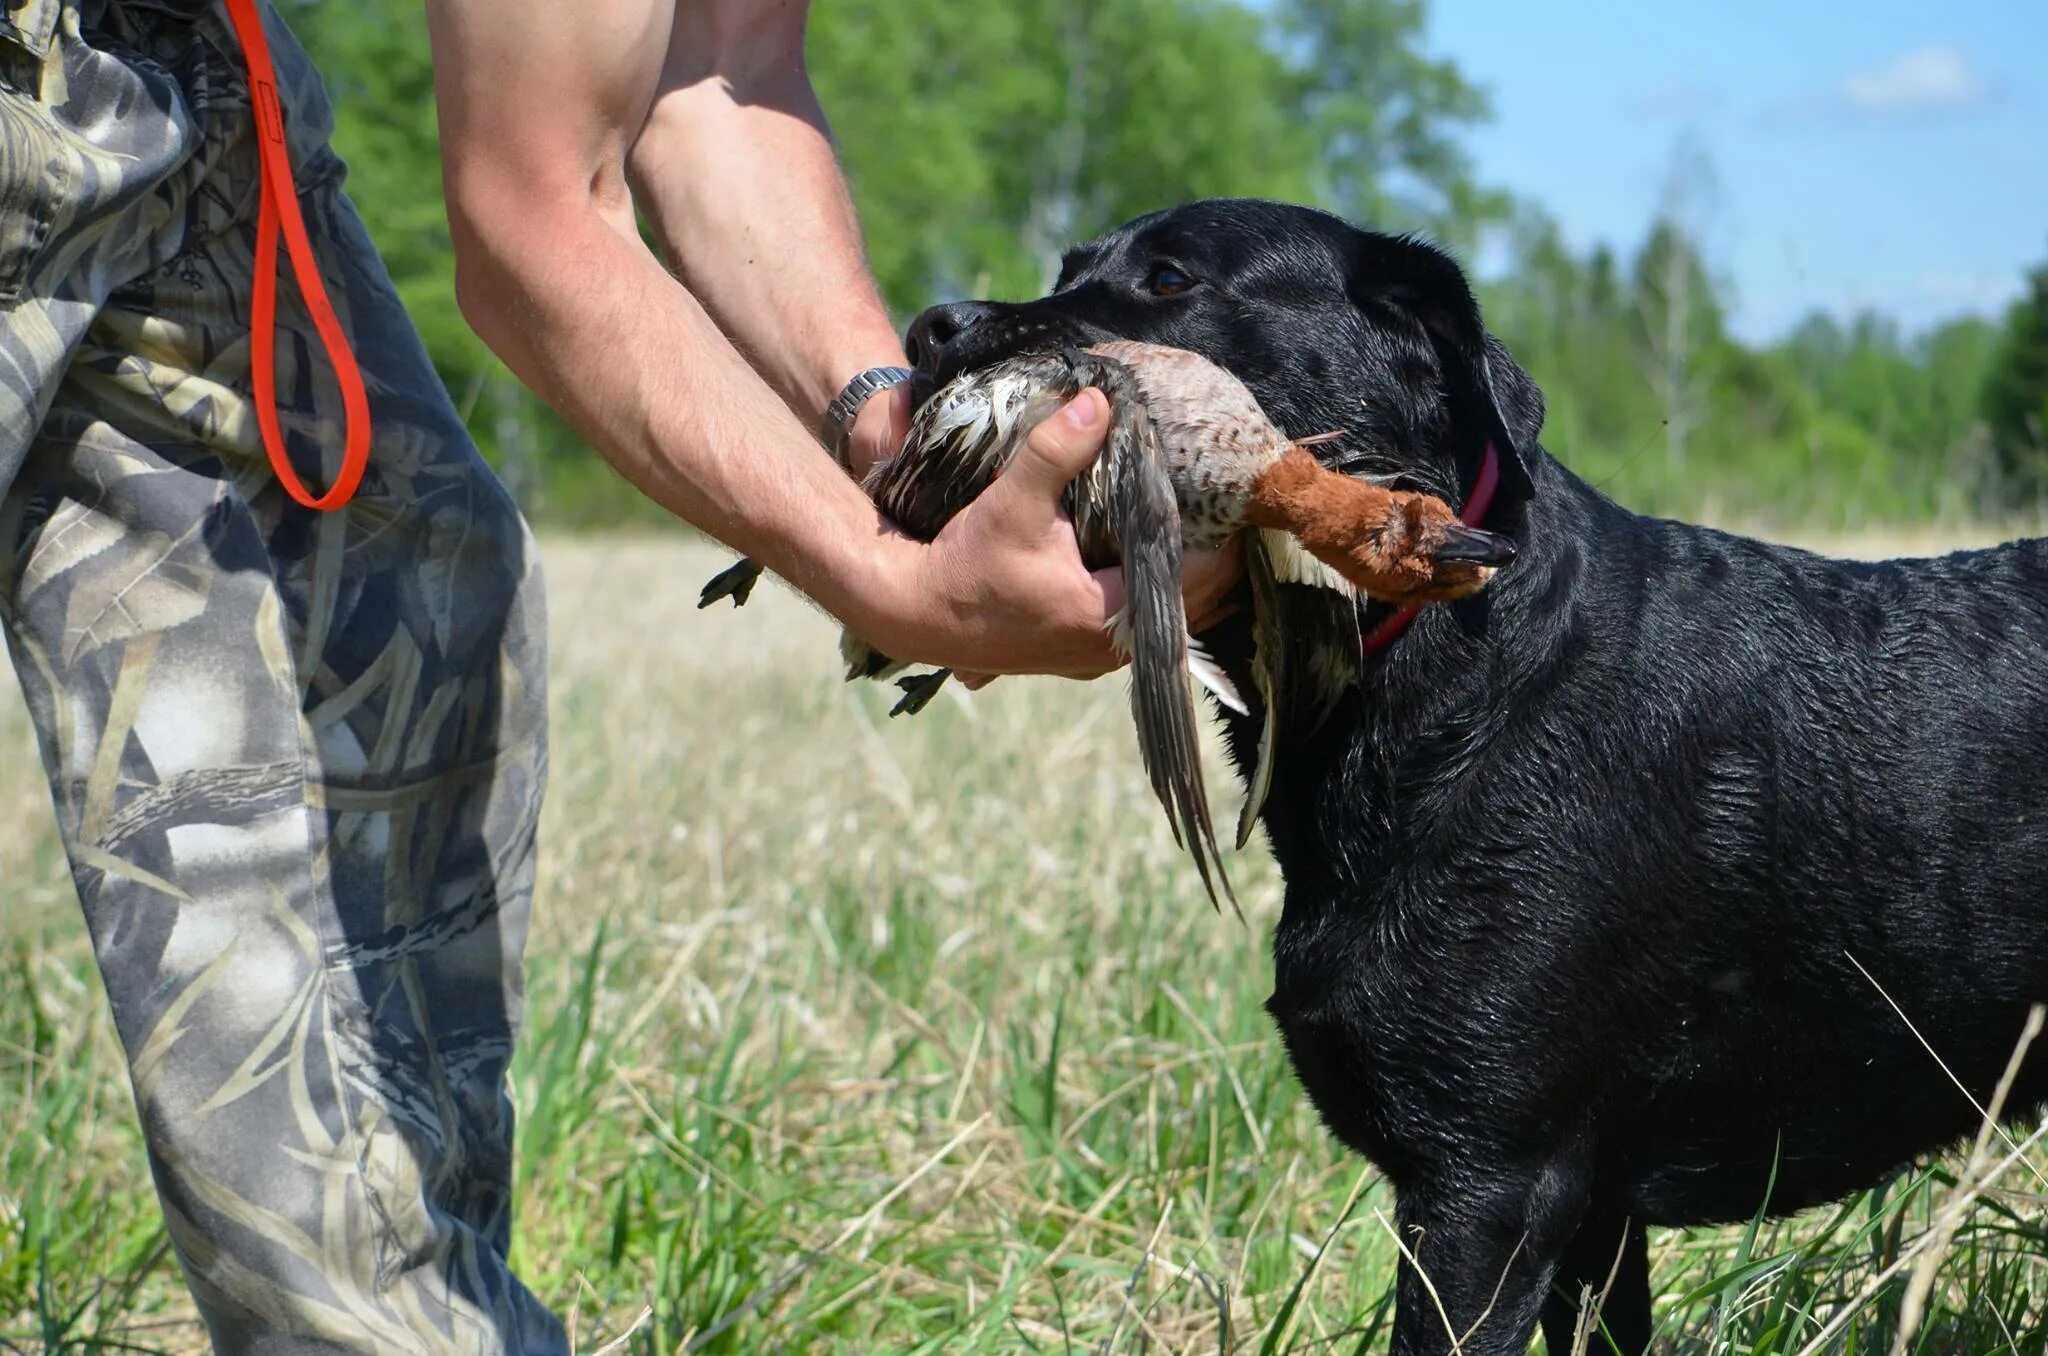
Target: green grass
[851,1035]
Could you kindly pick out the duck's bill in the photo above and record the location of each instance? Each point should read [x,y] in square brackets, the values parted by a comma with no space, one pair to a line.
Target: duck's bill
[1473,545]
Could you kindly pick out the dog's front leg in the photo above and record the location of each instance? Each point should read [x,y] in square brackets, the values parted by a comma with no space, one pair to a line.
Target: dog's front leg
[1609,1261]
[1478,1263]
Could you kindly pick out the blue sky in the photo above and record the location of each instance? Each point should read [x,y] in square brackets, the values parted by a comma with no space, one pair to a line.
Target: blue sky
[1884,154]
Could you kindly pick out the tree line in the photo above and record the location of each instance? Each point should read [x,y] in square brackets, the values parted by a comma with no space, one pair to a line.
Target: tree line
[982,139]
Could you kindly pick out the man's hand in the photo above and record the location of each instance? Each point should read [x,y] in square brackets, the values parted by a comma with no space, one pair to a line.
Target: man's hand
[1003,590]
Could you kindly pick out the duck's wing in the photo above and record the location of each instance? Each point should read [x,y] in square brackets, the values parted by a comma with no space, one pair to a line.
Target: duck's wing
[1292,564]
[957,444]
[959,441]
[1306,649]
[1315,618]
[963,437]
[1145,516]
[1327,649]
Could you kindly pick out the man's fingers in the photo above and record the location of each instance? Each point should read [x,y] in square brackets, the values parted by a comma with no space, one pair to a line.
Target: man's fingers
[1208,579]
[1209,573]
[1060,448]
[1199,622]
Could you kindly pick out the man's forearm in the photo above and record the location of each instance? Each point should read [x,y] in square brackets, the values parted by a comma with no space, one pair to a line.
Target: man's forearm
[544,114]
[674,409]
[735,168]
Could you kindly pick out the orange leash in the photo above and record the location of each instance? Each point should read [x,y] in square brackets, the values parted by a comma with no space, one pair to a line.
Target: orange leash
[280,207]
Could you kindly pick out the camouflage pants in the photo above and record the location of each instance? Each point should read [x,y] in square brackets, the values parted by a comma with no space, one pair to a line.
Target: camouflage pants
[296,758]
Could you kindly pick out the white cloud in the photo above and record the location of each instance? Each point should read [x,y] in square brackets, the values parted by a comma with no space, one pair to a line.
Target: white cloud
[1930,77]
[1928,81]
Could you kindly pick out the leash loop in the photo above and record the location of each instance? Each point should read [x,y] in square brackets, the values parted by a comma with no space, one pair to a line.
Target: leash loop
[280,211]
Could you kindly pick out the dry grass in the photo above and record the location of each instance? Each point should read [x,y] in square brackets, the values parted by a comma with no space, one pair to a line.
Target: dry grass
[856,1035]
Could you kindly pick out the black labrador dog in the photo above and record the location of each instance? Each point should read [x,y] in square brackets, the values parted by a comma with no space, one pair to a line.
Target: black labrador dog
[1607,888]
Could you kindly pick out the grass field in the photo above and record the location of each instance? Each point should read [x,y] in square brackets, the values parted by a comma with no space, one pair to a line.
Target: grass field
[851,1035]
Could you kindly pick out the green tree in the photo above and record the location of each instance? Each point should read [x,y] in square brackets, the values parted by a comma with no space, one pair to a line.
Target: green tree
[1565,318]
[2016,393]
[1955,361]
[373,57]
[1021,126]
[1677,330]
[1384,118]
[1019,129]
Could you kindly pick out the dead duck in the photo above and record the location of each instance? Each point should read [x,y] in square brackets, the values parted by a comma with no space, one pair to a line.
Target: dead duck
[1192,460]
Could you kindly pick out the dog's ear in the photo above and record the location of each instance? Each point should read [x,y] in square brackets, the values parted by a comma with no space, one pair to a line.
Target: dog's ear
[1489,392]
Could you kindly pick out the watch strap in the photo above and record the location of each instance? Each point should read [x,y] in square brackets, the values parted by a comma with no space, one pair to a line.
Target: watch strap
[837,425]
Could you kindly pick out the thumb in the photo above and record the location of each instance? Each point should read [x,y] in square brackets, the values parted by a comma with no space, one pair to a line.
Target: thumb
[1060,448]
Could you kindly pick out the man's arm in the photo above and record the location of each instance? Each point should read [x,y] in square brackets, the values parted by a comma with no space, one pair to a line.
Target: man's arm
[548,114]
[736,171]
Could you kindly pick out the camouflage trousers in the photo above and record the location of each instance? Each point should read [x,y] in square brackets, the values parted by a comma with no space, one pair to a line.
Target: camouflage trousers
[296,757]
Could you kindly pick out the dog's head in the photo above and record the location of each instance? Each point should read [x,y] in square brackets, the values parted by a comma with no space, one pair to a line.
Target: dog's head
[1333,328]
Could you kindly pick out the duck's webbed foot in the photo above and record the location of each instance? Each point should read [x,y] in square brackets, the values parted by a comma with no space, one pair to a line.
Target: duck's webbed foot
[918,690]
[736,582]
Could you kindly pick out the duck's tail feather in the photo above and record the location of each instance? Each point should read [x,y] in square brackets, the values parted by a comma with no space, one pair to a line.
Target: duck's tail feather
[864,660]
[735,581]
[1206,671]
[1146,518]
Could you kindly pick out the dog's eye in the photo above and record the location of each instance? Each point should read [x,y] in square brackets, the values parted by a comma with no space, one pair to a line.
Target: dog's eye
[1165,281]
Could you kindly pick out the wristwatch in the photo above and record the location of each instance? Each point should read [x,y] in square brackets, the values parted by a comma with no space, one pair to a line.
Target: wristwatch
[837,425]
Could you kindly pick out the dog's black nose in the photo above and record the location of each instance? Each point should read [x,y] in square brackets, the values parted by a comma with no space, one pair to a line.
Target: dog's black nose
[941,326]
